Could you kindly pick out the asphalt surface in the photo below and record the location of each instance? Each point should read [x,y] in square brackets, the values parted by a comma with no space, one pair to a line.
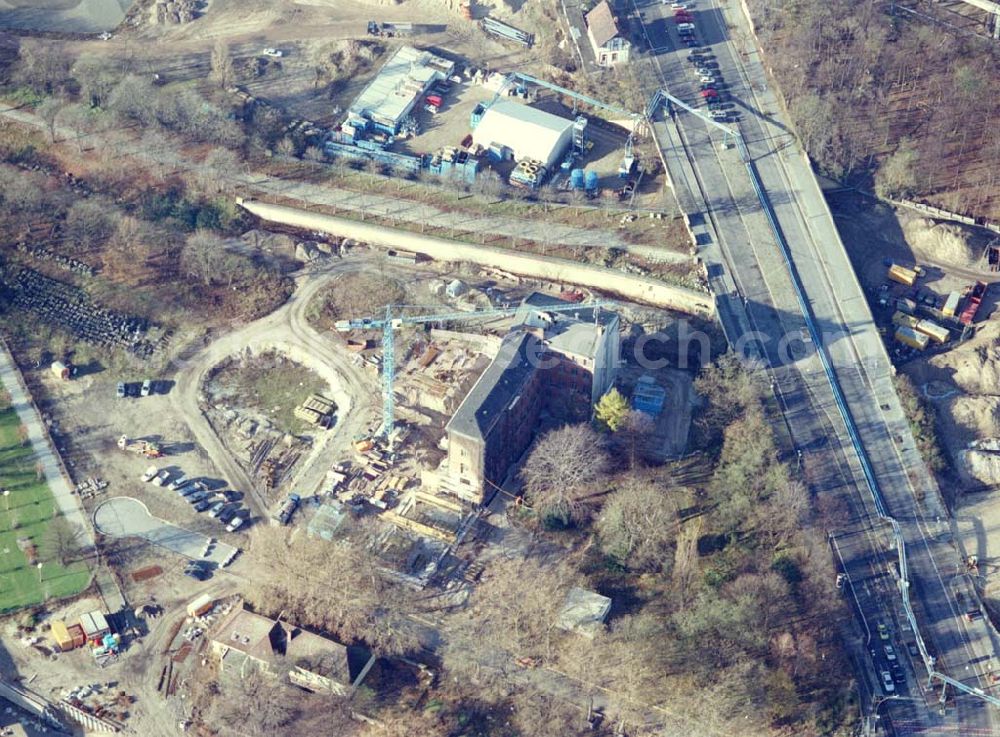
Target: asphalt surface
[124,516]
[756,293]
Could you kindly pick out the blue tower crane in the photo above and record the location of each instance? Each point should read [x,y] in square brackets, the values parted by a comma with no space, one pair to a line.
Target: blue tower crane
[393,320]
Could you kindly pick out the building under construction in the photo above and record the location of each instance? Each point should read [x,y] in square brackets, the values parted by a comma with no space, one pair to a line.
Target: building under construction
[555,362]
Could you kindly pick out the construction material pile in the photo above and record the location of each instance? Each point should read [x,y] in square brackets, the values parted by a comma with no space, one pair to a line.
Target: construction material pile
[69,308]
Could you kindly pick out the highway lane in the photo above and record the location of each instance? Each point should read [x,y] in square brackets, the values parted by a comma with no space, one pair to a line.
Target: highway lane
[866,384]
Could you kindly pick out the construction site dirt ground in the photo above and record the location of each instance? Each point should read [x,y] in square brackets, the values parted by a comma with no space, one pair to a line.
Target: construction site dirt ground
[89,419]
[137,670]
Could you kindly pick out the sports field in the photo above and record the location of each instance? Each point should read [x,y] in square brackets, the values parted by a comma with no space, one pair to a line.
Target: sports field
[25,514]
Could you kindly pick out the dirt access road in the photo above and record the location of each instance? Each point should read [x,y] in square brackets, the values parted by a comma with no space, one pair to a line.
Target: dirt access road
[288,330]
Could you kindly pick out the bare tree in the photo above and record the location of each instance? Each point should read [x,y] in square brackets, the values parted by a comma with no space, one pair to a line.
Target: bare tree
[89,222]
[563,466]
[42,65]
[639,522]
[222,64]
[96,77]
[48,110]
[203,256]
[314,578]
[61,541]
[258,706]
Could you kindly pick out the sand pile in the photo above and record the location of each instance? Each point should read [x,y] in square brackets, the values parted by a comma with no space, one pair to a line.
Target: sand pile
[974,417]
[973,368]
[944,242]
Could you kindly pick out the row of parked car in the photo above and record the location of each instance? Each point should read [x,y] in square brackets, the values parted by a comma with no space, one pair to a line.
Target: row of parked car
[218,504]
[134,389]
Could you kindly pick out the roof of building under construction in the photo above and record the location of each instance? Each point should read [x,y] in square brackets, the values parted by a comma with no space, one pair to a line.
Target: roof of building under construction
[392,94]
[502,381]
[577,332]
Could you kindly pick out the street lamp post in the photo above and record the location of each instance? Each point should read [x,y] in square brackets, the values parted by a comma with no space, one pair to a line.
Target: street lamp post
[6,498]
[39,567]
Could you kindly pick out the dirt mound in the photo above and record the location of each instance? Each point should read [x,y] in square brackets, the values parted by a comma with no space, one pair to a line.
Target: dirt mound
[975,417]
[982,466]
[973,367]
[944,242]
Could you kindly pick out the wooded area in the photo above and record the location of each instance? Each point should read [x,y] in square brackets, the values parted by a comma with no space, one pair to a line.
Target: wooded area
[891,101]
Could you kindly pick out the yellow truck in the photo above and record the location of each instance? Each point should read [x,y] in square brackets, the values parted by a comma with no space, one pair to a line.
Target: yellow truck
[902,275]
[936,332]
[910,337]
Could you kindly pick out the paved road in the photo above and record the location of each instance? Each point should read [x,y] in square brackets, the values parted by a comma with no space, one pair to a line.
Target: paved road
[67,502]
[741,249]
[123,516]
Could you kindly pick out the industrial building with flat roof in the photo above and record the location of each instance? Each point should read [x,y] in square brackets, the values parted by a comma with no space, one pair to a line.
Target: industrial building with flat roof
[398,88]
[523,132]
[562,362]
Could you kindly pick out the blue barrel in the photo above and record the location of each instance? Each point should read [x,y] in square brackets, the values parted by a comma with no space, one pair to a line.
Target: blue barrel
[591,182]
[576,178]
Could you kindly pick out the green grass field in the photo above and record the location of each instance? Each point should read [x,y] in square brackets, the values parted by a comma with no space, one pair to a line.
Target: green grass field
[31,507]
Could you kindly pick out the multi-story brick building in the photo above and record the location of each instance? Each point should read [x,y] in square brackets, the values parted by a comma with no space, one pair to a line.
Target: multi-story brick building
[557,362]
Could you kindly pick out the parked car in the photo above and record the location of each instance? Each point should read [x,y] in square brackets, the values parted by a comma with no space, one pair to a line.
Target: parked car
[897,674]
[188,491]
[883,631]
[216,509]
[121,390]
[147,388]
[196,570]
[202,505]
[179,483]
[150,474]
[198,496]
[890,653]
[273,53]
[161,478]
[887,685]
[235,523]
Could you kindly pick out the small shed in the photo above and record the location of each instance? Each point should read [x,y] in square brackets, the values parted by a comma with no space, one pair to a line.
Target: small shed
[61,370]
[200,605]
[457,288]
[94,625]
[584,612]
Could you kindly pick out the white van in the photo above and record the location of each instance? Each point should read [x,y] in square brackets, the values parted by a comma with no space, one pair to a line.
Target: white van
[685,26]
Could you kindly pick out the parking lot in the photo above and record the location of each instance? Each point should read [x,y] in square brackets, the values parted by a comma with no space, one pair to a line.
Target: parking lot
[127,517]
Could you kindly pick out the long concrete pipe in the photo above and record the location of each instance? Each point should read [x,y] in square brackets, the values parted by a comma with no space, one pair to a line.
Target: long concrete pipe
[634,288]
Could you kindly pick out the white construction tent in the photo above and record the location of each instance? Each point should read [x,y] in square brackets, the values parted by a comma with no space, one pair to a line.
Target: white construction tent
[524,132]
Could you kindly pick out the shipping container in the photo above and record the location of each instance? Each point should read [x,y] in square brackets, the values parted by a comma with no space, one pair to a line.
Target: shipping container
[61,636]
[951,304]
[199,606]
[937,332]
[902,275]
[901,318]
[903,304]
[910,337]
[60,370]
[76,632]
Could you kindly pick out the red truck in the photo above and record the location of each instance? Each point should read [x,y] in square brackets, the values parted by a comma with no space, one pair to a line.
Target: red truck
[972,303]
[434,100]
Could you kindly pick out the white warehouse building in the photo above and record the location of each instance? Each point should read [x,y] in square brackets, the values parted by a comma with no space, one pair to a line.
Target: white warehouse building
[524,132]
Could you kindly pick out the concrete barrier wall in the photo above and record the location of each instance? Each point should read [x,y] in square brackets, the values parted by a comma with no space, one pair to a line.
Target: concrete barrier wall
[634,288]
